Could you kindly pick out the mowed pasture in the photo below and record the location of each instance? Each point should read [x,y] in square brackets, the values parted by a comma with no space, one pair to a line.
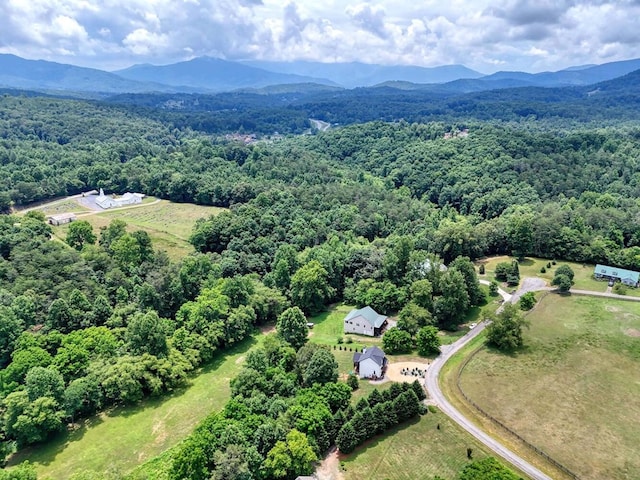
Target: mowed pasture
[573,391]
[168,224]
[414,450]
[530,267]
[119,440]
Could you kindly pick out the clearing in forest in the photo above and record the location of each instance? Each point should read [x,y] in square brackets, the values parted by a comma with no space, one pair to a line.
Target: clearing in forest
[573,391]
[169,224]
[530,267]
[119,440]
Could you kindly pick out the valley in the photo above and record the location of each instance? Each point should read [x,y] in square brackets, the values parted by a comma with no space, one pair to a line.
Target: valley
[200,333]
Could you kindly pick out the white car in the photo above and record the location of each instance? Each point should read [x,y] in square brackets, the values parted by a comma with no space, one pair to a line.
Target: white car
[472,325]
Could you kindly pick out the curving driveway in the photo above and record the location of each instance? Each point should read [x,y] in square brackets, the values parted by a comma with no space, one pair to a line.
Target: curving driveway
[433,387]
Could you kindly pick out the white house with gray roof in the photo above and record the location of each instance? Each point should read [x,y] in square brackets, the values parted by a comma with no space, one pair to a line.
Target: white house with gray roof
[365,321]
[371,363]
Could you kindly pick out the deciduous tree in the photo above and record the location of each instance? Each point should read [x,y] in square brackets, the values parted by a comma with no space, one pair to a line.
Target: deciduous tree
[310,288]
[428,341]
[505,331]
[395,340]
[292,327]
[80,233]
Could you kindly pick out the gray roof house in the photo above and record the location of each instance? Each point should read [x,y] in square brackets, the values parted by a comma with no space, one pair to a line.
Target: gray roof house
[365,321]
[371,363]
[628,277]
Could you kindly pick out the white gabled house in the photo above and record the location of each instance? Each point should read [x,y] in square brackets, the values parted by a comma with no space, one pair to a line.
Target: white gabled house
[365,321]
[371,363]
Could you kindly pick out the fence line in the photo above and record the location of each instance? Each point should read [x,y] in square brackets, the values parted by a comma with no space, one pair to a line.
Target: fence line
[543,454]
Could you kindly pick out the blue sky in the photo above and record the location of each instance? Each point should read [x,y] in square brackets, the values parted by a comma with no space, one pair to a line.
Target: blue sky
[485,35]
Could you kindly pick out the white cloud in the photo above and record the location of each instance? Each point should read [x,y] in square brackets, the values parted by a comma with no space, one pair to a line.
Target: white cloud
[482,34]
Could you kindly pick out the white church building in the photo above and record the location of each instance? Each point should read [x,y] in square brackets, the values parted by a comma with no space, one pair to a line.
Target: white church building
[108,201]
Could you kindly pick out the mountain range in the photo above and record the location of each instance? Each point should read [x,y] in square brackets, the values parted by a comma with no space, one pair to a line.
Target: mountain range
[210,75]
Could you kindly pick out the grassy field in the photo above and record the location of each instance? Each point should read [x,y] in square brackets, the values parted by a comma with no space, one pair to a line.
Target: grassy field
[329,327]
[416,450]
[63,206]
[574,390]
[168,224]
[125,437]
[530,267]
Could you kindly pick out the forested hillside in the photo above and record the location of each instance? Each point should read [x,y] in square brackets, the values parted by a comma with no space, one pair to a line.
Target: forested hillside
[362,213]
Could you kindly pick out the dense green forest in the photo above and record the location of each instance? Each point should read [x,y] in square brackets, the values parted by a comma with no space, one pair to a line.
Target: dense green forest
[363,213]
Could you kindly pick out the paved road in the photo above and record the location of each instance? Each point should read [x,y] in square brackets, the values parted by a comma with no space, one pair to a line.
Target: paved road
[431,382]
[433,372]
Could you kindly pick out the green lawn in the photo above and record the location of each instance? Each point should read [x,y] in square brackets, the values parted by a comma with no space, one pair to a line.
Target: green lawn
[329,327]
[62,206]
[574,390]
[415,450]
[125,437]
[169,224]
[530,267]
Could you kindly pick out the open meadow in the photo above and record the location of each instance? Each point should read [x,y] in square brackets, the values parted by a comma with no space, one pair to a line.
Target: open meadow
[530,267]
[168,224]
[119,440]
[573,391]
[414,450]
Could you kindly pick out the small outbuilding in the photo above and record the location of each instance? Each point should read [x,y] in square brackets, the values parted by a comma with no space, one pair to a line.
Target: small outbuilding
[628,277]
[365,321]
[61,219]
[371,363]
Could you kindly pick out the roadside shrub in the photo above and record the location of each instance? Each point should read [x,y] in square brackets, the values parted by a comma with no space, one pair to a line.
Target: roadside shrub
[481,269]
[493,289]
[340,340]
[508,272]
[348,340]
[527,301]
[620,289]
[352,381]
[503,269]
[432,409]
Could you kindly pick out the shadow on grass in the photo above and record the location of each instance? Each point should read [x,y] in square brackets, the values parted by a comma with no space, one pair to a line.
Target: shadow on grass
[515,353]
[375,441]
[47,452]
[526,262]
